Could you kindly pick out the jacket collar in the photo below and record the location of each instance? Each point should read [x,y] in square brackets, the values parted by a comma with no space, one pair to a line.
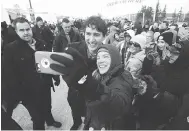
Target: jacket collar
[38,44]
[115,72]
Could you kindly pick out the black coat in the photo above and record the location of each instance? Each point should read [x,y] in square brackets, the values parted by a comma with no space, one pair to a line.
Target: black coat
[118,83]
[172,80]
[75,98]
[20,78]
[44,34]
[61,42]
[155,30]
[12,36]
[109,110]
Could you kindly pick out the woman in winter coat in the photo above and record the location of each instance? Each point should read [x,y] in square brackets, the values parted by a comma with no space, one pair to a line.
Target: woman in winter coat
[135,55]
[107,91]
[115,93]
[156,54]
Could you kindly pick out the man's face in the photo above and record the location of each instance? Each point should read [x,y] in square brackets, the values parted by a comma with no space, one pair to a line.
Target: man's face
[93,38]
[127,39]
[40,23]
[149,37]
[103,62]
[155,25]
[66,27]
[24,31]
[164,26]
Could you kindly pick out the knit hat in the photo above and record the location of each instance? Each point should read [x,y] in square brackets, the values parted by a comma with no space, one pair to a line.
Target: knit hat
[140,39]
[39,19]
[167,37]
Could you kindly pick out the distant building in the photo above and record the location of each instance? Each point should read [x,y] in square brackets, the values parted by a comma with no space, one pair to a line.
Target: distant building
[169,17]
[13,14]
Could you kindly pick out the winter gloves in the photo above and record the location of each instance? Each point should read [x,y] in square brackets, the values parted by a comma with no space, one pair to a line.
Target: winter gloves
[77,75]
[74,69]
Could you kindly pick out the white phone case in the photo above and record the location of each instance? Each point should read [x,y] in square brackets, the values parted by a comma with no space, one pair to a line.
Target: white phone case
[43,61]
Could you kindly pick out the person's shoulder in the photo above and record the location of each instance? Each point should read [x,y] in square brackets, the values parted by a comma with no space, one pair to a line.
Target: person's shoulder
[41,44]
[80,46]
[60,35]
[11,30]
[46,28]
[123,81]
[75,31]
[127,77]
[34,28]
[11,45]
[40,41]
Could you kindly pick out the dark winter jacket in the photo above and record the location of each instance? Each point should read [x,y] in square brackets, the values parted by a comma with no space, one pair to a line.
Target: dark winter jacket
[20,79]
[61,42]
[172,101]
[12,36]
[4,39]
[44,34]
[109,99]
[177,83]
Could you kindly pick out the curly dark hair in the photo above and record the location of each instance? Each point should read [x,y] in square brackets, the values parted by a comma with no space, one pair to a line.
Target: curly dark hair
[98,22]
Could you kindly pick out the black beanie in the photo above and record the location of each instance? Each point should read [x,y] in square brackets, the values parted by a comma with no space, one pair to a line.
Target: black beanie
[39,19]
[167,37]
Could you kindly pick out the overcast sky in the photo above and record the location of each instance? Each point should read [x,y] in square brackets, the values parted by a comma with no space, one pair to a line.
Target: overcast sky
[93,7]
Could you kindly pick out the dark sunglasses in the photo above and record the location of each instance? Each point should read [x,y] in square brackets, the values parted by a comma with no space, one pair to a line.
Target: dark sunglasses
[135,44]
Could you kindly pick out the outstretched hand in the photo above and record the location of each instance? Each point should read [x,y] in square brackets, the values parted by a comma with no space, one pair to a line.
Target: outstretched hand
[75,69]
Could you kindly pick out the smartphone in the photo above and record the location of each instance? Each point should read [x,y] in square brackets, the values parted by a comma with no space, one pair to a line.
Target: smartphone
[43,62]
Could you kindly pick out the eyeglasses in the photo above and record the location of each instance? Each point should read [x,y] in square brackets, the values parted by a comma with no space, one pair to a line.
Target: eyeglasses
[135,44]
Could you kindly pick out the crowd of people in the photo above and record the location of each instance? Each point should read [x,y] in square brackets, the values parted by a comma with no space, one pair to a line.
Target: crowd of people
[123,76]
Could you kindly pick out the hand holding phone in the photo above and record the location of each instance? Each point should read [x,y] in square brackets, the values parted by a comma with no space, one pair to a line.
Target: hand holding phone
[43,61]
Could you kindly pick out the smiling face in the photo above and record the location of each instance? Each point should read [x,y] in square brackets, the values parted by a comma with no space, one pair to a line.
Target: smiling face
[103,62]
[161,44]
[134,48]
[93,38]
[24,31]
